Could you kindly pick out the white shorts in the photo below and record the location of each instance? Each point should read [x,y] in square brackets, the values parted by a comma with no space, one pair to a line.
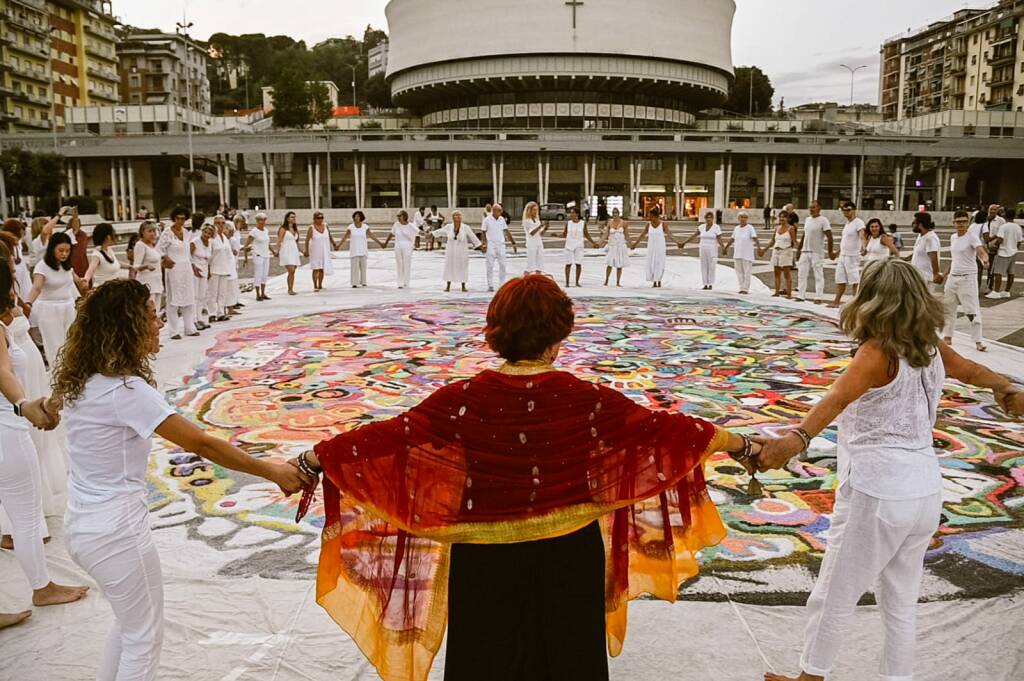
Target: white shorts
[574,256]
[848,269]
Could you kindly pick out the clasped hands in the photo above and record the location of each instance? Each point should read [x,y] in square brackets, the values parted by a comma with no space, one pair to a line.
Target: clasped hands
[37,413]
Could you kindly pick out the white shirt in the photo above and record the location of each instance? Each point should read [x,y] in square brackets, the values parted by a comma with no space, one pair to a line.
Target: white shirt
[743,240]
[964,253]
[850,244]
[360,244]
[260,242]
[494,228]
[109,439]
[1010,233]
[574,234]
[405,235]
[221,262]
[532,239]
[925,246]
[106,270]
[58,284]
[709,236]
[814,234]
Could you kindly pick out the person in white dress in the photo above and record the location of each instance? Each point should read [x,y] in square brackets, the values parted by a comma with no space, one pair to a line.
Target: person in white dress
[889,497]
[146,262]
[288,248]
[495,233]
[201,250]
[658,235]
[458,239]
[20,479]
[22,273]
[880,245]
[961,282]
[575,233]
[405,234]
[176,259]
[221,266]
[104,265]
[783,257]
[358,253]
[55,288]
[851,244]
[258,242]
[616,240]
[709,239]
[812,254]
[112,411]
[234,233]
[318,247]
[534,230]
[744,238]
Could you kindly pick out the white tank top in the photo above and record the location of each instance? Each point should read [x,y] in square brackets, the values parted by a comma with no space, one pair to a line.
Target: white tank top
[360,245]
[885,437]
[260,242]
[574,234]
[107,270]
[877,250]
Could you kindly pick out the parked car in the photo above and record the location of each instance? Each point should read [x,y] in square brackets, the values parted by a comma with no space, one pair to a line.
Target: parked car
[553,211]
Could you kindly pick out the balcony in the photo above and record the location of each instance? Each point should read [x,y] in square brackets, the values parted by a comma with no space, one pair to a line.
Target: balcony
[1002,57]
[101,30]
[104,74]
[11,40]
[101,94]
[32,123]
[26,24]
[39,5]
[101,51]
[35,73]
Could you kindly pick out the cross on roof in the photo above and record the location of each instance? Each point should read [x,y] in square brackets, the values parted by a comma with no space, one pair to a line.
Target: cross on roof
[574,4]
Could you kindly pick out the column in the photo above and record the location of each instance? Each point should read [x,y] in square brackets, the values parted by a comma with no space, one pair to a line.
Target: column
[547,178]
[540,180]
[810,180]
[586,180]
[767,183]
[266,179]
[309,183]
[272,199]
[403,198]
[133,204]
[501,178]
[220,182]
[455,183]
[860,181]
[316,182]
[448,178]
[113,191]
[122,184]
[227,180]
[355,176]
[408,184]
[774,177]
[682,187]
[817,179]
[362,182]
[728,180]
[79,183]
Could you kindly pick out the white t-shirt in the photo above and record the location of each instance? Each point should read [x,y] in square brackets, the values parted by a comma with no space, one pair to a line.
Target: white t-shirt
[533,240]
[360,243]
[574,234]
[850,244]
[58,284]
[925,246]
[709,236]
[814,234]
[743,239]
[963,251]
[405,235]
[494,228]
[260,242]
[1010,233]
[109,439]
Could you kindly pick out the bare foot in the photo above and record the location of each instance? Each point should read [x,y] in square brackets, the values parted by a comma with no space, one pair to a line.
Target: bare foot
[803,677]
[7,542]
[56,594]
[10,619]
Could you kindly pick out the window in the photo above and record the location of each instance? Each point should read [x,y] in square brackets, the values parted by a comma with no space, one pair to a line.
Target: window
[519,162]
[607,162]
[431,163]
[698,163]
[563,163]
[475,163]
[387,163]
[651,163]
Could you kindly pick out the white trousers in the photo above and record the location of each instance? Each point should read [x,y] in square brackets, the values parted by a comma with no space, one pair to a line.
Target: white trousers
[202,307]
[54,318]
[403,265]
[116,548]
[174,321]
[496,254]
[261,270]
[743,273]
[218,293]
[357,268]
[708,265]
[876,543]
[962,290]
[810,262]
[535,257]
[22,497]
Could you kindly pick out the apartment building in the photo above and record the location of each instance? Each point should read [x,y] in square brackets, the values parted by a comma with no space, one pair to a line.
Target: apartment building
[972,60]
[164,68]
[26,78]
[83,55]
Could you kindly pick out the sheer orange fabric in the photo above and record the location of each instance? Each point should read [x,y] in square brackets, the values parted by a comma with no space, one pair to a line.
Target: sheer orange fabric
[505,459]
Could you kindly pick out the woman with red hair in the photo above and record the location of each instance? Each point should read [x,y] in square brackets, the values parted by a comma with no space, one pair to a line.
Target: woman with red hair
[523,508]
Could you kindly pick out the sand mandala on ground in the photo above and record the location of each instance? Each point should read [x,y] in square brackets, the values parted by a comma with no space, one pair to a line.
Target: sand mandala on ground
[279,388]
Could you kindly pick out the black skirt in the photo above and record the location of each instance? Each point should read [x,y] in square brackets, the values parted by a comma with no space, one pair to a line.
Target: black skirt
[528,612]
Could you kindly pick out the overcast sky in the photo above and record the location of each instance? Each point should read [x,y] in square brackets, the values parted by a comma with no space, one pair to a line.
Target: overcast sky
[799,43]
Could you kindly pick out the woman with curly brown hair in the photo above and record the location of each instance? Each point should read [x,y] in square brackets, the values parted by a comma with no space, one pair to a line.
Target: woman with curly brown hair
[890,485]
[112,411]
[489,506]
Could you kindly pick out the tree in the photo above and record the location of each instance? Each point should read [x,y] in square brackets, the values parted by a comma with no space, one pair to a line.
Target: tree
[740,93]
[291,100]
[30,174]
[320,108]
[378,92]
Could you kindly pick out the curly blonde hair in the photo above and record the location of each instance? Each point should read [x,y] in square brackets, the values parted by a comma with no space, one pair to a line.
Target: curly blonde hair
[895,309]
[110,336]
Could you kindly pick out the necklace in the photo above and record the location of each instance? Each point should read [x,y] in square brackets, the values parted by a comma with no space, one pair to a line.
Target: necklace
[526,367]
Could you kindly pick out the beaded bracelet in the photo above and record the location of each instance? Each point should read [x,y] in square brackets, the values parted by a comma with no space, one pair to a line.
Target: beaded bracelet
[305,467]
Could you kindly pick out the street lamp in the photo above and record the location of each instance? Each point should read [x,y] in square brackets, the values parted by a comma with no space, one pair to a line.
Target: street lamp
[182,30]
[853,71]
[353,84]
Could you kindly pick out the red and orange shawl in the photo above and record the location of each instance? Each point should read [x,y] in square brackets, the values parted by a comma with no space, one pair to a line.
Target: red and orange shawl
[504,459]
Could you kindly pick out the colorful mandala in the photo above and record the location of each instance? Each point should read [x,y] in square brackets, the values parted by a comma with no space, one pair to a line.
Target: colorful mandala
[278,389]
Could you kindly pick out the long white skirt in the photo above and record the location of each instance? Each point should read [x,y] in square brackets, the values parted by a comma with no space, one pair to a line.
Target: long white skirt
[655,263]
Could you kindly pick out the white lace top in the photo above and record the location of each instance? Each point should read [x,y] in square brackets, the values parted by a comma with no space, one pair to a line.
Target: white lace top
[885,437]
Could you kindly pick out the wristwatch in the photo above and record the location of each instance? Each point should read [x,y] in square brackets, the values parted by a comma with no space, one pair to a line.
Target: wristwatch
[17,406]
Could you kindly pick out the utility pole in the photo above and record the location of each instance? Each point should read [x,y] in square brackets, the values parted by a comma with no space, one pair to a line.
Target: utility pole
[182,30]
[853,72]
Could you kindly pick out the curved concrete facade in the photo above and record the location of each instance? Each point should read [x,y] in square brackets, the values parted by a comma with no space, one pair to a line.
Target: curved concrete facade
[464,54]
